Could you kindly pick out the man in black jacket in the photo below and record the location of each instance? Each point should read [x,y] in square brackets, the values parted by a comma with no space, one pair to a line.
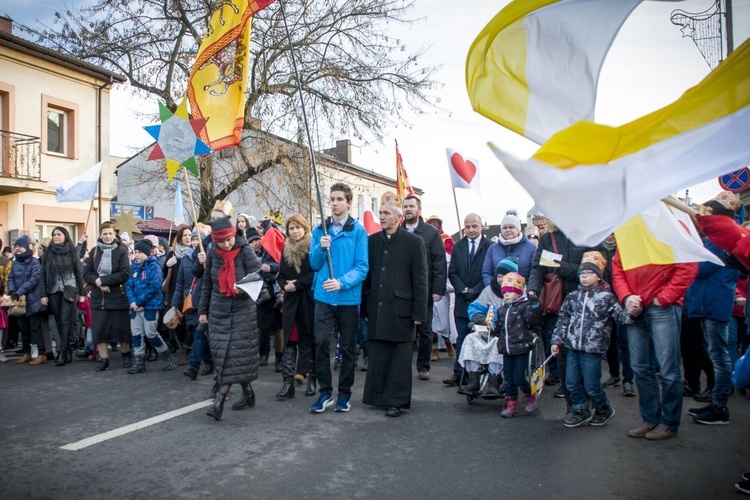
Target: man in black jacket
[465,273]
[437,270]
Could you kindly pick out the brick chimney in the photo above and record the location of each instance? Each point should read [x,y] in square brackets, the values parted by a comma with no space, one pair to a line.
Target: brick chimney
[6,25]
[342,152]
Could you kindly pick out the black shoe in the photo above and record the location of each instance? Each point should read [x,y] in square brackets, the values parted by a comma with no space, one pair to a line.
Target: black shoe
[559,393]
[746,476]
[287,391]
[68,355]
[166,360]
[151,354]
[493,385]
[247,400]
[687,391]
[216,409]
[214,391]
[695,411]
[365,364]
[705,397]
[472,384]
[103,365]
[264,360]
[278,365]
[451,382]
[81,355]
[139,366]
[552,379]
[715,415]
[50,356]
[60,359]
[743,486]
[392,411]
[191,374]
[311,384]
[207,370]
[127,360]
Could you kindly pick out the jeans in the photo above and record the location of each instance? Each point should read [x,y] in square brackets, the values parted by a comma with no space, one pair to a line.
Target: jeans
[737,329]
[424,340]
[362,338]
[344,319]
[65,313]
[717,334]
[618,354]
[695,354]
[584,376]
[653,338]
[514,372]
[462,327]
[201,350]
[31,328]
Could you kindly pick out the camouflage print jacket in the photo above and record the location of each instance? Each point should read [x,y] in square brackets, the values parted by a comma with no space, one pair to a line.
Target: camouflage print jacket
[586,318]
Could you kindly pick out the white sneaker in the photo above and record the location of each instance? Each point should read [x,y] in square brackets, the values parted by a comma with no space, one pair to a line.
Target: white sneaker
[34,351]
[3,358]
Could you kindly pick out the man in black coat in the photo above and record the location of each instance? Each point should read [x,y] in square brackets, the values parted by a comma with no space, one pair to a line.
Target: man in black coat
[465,273]
[396,289]
[436,277]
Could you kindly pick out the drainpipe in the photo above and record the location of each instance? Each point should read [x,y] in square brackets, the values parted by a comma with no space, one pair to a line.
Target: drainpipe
[99,140]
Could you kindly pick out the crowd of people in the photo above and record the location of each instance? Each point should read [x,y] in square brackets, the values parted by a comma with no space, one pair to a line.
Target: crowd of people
[409,286]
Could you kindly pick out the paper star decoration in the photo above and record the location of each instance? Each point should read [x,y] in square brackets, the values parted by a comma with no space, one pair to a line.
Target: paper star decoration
[177,139]
[126,222]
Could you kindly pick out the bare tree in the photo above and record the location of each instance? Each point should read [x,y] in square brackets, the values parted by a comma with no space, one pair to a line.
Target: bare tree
[356,77]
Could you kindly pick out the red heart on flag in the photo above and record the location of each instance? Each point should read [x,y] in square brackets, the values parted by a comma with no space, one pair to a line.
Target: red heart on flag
[464,168]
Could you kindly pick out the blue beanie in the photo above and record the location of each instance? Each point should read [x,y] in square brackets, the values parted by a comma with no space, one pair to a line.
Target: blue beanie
[507,265]
[24,242]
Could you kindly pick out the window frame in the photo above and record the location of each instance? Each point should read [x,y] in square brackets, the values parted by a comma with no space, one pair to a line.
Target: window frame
[70,112]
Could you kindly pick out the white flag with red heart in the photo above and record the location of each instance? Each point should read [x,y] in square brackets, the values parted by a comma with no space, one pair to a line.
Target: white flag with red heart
[464,171]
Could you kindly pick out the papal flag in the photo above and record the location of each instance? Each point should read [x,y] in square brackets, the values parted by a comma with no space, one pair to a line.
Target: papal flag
[535,67]
[592,178]
[403,186]
[217,86]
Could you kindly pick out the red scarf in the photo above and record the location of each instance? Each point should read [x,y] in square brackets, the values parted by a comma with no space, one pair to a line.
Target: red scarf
[227,274]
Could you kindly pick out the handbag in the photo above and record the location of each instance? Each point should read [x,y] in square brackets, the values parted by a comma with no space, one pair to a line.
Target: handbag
[187,303]
[17,310]
[552,293]
[69,293]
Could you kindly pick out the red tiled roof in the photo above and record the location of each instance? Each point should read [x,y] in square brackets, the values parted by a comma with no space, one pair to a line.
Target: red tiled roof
[159,224]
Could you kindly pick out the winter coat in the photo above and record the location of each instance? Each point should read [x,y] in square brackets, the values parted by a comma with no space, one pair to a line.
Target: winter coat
[25,280]
[349,259]
[299,305]
[668,283]
[740,291]
[479,308]
[47,281]
[712,293]
[584,322]
[514,326]
[437,267]
[144,284]
[116,298]
[462,276]
[524,250]
[396,286]
[268,314]
[232,328]
[568,270]
[183,283]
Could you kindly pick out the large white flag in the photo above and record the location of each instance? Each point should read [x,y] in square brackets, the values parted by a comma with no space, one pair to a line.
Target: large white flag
[464,171]
[81,187]
[178,216]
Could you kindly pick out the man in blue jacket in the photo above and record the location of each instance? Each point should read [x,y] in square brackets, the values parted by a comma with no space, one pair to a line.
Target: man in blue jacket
[337,293]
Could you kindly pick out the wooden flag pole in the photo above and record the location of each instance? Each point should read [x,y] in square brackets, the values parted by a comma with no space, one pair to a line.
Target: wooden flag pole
[458,217]
[192,206]
[674,202]
[88,216]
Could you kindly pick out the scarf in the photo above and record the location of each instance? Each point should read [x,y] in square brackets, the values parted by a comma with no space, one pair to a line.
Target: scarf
[23,257]
[105,265]
[227,273]
[496,287]
[295,252]
[511,241]
[179,250]
[59,261]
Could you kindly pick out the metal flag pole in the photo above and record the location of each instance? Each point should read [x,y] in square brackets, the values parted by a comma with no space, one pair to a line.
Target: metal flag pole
[309,138]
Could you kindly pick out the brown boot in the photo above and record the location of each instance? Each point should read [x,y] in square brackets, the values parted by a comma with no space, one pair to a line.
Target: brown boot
[435,354]
[24,359]
[449,349]
[39,360]
[184,356]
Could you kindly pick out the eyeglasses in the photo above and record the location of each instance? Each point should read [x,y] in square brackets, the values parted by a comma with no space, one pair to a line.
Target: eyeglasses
[586,272]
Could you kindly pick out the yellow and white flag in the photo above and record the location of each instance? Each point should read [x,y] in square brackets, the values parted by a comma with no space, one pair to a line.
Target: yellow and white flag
[590,179]
[217,86]
[535,67]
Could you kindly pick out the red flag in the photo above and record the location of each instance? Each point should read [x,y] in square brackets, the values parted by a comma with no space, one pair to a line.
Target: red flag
[403,186]
[371,225]
[273,242]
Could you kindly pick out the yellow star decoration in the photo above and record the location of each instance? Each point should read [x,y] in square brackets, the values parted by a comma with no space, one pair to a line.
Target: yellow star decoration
[126,222]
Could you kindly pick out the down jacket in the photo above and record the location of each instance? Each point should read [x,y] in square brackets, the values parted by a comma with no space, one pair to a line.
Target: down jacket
[184,281]
[584,322]
[24,279]
[232,323]
[144,284]
[514,326]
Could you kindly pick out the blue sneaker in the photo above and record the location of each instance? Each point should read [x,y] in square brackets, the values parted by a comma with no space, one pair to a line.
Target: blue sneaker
[342,404]
[324,401]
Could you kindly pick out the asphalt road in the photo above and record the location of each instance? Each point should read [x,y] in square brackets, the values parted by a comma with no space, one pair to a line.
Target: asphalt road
[442,448]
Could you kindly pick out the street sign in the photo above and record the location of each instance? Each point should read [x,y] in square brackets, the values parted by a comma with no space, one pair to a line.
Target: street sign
[736,182]
[143,212]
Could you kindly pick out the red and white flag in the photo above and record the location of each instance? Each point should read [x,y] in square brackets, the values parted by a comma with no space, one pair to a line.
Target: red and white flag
[403,186]
[464,171]
[367,218]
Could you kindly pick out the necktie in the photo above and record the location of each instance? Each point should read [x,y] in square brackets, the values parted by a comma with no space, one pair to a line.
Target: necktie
[471,253]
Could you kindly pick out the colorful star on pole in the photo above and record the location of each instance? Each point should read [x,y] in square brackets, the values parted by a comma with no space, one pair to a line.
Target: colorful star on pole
[177,139]
[126,222]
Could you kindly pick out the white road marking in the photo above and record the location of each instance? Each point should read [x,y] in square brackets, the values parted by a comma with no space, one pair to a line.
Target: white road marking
[84,443]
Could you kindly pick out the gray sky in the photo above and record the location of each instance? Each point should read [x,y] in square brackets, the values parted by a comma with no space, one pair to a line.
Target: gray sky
[649,65]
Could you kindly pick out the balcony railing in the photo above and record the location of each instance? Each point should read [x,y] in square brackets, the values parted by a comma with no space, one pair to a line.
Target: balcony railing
[21,156]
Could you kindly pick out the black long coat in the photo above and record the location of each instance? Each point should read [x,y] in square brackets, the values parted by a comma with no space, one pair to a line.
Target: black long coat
[116,299]
[232,330]
[462,276]
[299,306]
[396,286]
[437,266]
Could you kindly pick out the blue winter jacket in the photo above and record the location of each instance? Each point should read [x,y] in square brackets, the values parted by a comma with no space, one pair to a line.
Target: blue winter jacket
[144,284]
[185,278]
[349,258]
[712,293]
[24,280]
[524,250]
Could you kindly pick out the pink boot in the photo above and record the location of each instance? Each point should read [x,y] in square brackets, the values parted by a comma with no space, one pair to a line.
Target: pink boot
[511,408]
[530,402]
